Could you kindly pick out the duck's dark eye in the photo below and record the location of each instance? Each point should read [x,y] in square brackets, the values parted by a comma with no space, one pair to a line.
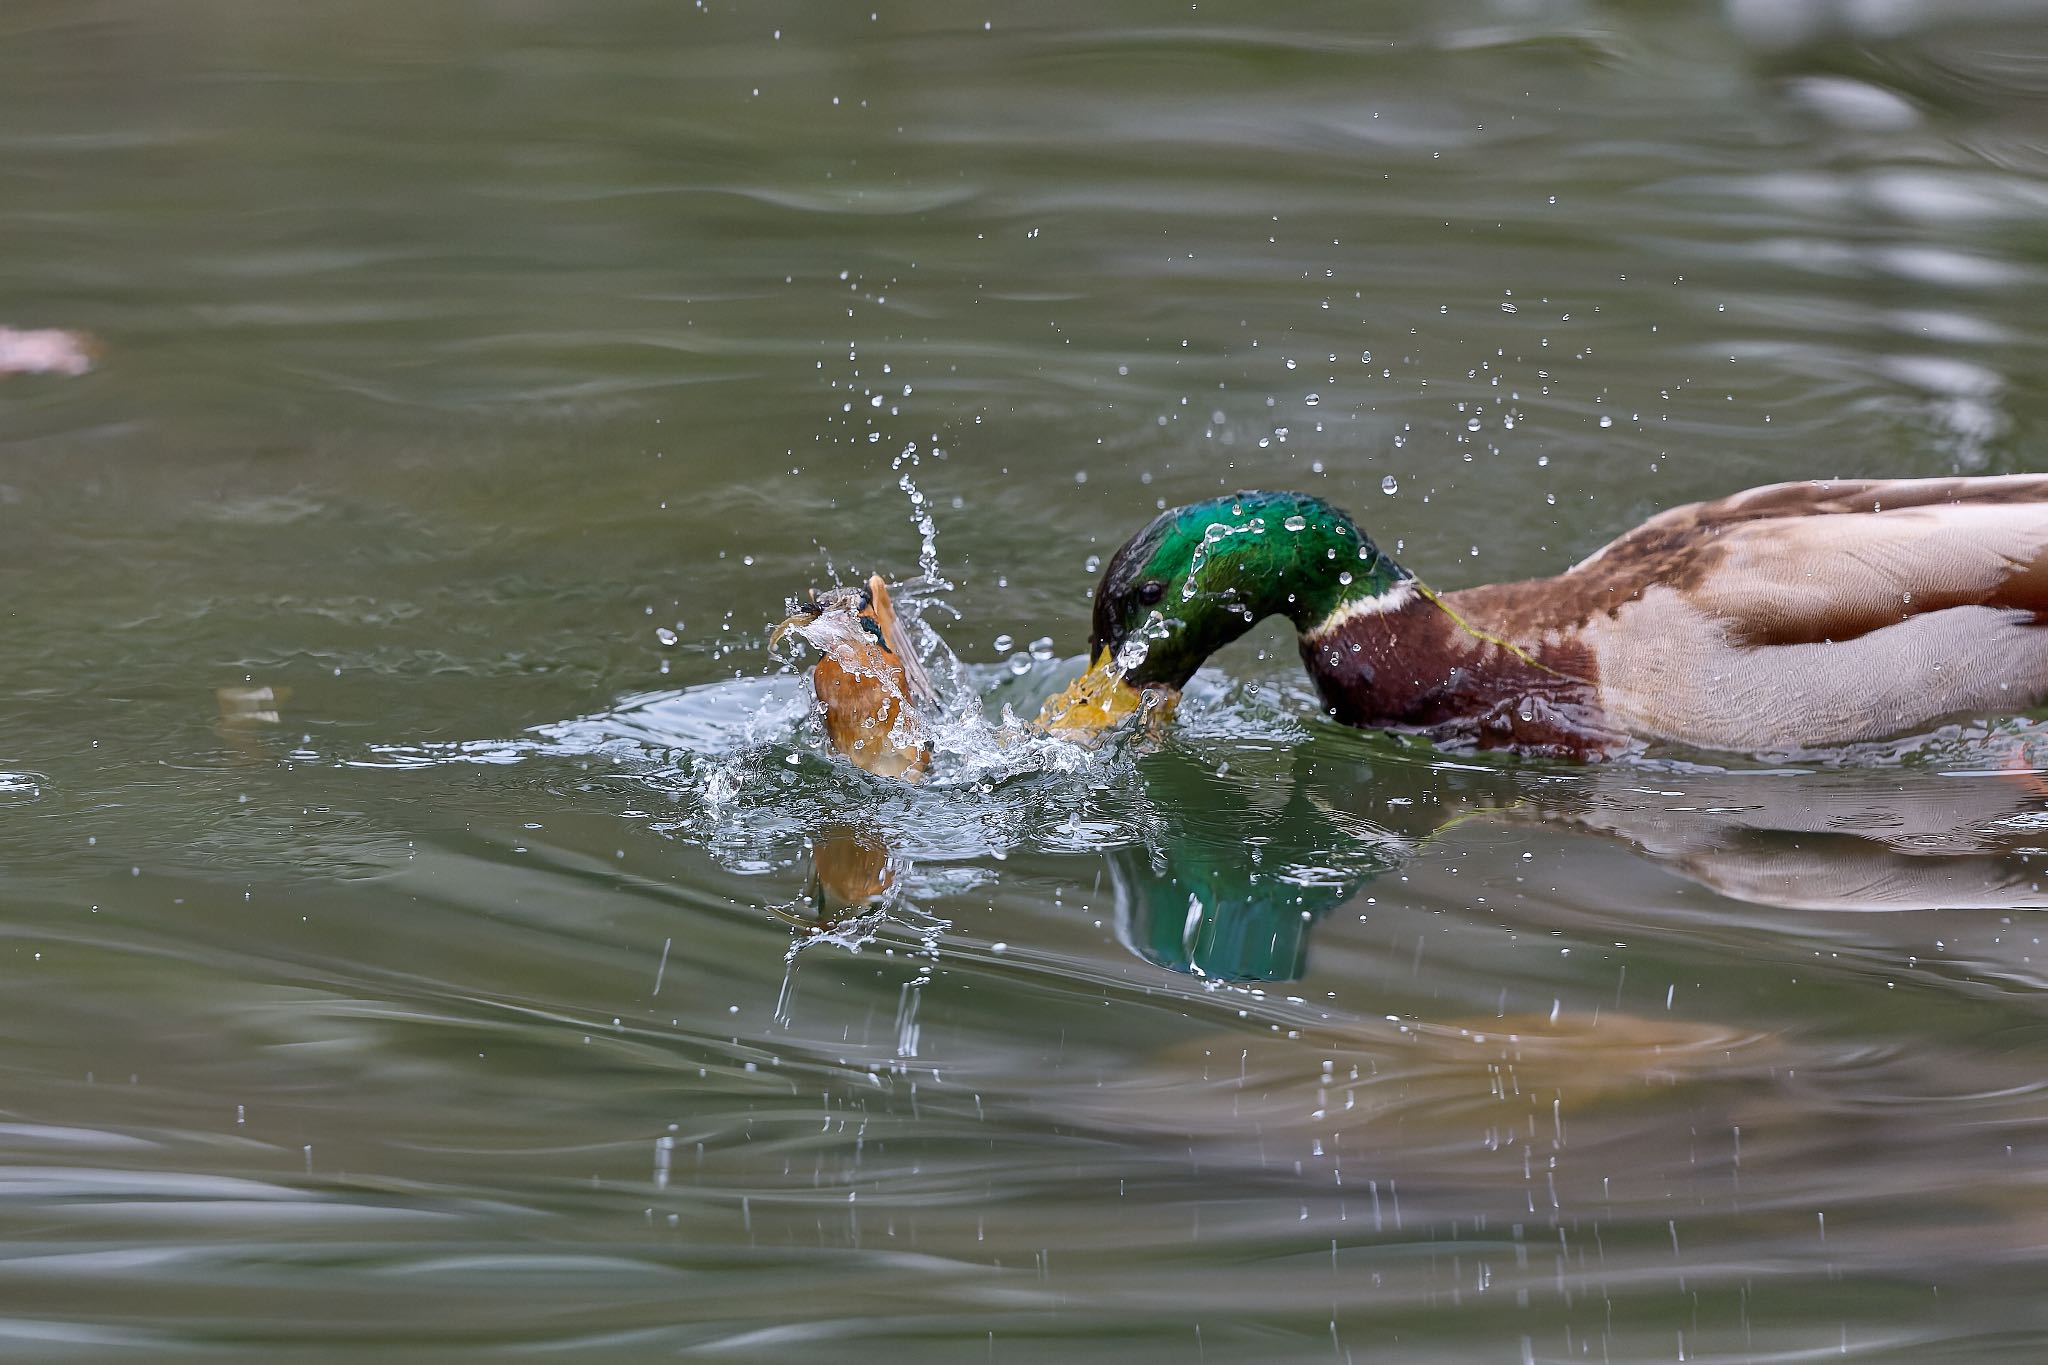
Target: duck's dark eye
[1150,592]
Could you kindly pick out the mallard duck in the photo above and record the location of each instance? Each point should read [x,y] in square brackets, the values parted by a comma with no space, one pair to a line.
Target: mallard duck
[1794,616]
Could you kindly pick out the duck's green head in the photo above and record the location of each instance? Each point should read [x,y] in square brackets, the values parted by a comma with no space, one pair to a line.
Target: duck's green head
[1198,576]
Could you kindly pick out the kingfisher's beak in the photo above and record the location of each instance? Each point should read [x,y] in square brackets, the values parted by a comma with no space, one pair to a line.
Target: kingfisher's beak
[1100,698]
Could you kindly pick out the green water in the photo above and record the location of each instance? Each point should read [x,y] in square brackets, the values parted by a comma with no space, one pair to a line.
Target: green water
[439,1003]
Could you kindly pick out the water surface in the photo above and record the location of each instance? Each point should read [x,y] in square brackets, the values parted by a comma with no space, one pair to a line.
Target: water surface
[411,955]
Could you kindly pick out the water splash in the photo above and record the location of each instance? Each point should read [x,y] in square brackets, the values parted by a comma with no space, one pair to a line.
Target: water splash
[1138,645]
[921,517]
[21,786]
[1217,533]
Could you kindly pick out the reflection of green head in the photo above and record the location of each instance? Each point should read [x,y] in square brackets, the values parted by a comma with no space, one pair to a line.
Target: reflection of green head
[1198,576]
[1231,891]
[1215,922]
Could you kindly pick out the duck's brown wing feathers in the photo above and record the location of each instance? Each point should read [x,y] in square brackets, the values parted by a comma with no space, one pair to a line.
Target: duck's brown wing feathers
[1799,563]
[1801,614]
[1812,615]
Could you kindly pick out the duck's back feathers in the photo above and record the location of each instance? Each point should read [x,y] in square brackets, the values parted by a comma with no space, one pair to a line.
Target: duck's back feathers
[1804,614]
[1802,563]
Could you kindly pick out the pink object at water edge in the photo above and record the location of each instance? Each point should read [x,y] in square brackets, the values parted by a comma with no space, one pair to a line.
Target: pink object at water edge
[50,350]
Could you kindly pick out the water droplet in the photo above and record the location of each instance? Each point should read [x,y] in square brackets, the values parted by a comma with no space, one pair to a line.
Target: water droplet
[1605,420]
[665,635]
[1345,577]
[1041,648]
[1004,642]
[1020,663]
[1296,523]
[1313,399]
[1390,485]
[1092,563]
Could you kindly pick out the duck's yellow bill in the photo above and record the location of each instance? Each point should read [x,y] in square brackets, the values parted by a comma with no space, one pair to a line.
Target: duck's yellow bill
[1096,700]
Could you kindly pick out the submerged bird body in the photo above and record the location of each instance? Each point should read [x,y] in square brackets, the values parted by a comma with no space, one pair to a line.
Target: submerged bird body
[1800,615]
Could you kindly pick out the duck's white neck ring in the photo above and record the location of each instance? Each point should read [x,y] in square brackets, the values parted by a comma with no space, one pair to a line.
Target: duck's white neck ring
[1392,600]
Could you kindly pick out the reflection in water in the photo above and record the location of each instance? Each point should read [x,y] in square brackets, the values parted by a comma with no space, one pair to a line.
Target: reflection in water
[1232,874]
[1956,841]
[851,869]
[1199,905]
[1226,875]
